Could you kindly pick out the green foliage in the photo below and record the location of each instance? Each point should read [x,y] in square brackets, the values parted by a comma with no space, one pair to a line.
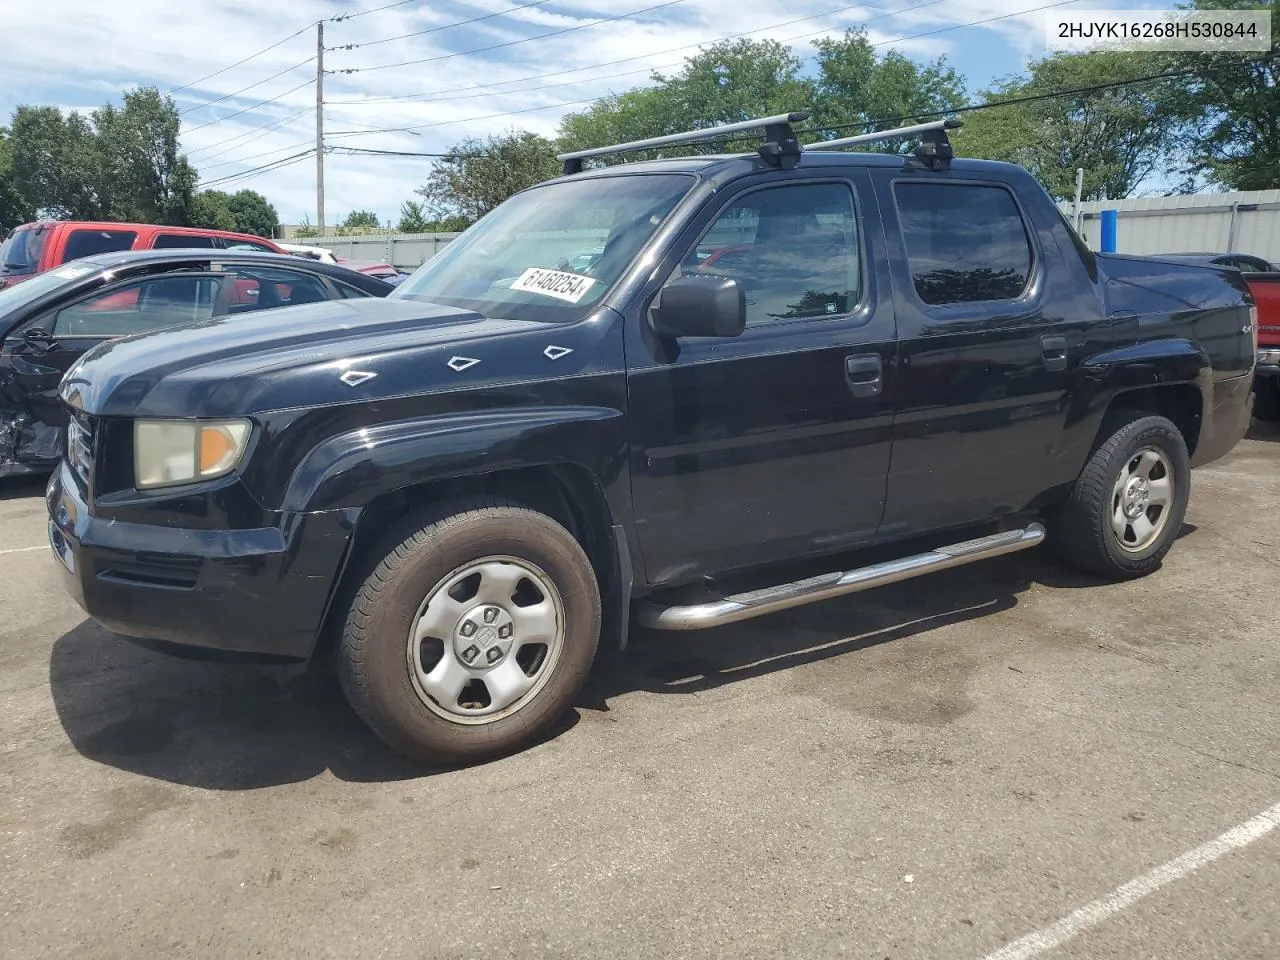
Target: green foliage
[728,82]
[120,163]
[1231,107]
[246,211]
[477,175]
[212,209]
[1120,136]
[253,213]
[14,207]
[855,86]
[414,218]
[360,218]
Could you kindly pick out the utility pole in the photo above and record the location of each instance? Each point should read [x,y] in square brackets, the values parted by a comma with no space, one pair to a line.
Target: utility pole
[320,127]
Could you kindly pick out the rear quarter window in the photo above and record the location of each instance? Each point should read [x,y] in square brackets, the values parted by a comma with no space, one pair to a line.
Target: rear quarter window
[88,242]
[182,241]
[966,243]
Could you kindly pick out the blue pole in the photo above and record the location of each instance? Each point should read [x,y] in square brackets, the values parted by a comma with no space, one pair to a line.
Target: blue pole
[1109,218]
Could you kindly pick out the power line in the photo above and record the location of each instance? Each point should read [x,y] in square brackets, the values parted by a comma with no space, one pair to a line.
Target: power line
[265,168]
[228,96]
[571,103]
[250,134]
[238,63]
[512,43]
[261,103]
[447,26]
[430,96]
[351,16]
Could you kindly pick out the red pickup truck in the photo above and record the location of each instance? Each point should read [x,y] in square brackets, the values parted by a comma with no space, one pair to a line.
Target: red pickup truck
[1265,288]
[35,247]
[1263,280]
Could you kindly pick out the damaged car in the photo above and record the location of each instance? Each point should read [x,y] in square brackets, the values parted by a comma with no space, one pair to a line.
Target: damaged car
[49,321]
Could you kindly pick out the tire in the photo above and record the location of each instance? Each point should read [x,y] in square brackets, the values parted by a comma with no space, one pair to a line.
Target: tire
[1086,529]
[517,606]
[1266,401]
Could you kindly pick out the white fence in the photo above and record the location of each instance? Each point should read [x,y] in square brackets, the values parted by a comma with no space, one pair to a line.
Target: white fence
[407,251]
[1247,222]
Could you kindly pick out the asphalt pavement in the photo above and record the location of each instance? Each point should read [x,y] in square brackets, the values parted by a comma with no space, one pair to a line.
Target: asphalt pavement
[1006,760]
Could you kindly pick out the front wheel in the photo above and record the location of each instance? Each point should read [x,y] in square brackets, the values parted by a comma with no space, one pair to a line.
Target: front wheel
[1127,506]
[472,637]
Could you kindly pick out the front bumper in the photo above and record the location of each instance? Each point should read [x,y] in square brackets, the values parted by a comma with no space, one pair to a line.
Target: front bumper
[259,592]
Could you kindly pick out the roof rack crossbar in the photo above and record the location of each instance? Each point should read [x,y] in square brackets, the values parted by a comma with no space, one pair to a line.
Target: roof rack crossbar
[935,152]
[778,129]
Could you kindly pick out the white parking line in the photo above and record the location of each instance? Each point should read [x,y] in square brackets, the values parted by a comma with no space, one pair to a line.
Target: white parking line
[42,546]
[1094,913]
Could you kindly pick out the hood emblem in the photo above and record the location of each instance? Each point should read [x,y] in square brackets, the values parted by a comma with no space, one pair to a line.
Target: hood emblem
[458,364]
[555,353]
[353,378]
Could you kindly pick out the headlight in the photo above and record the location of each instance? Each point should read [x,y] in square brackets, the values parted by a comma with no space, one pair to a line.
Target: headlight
[1268,356]
[170,452]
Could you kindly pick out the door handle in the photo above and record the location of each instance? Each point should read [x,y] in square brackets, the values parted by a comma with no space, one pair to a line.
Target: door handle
[1054,352]
[865,374]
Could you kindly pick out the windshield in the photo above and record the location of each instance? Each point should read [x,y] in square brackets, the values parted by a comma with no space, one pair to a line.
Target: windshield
[29,291]
[20,253]
[551,252]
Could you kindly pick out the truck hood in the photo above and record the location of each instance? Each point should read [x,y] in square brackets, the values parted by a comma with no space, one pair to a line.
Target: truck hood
[266,360]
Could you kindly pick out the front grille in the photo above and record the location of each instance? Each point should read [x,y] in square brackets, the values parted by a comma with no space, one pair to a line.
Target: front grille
[80,447]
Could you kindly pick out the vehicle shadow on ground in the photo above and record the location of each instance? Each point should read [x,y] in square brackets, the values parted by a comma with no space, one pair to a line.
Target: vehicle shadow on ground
[1263,430]
[21,488]
[238,727]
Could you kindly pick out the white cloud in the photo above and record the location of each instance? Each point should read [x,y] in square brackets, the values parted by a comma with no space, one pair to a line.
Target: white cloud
[84,52]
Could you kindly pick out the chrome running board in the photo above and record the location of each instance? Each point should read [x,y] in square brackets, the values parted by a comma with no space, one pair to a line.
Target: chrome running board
[744,606]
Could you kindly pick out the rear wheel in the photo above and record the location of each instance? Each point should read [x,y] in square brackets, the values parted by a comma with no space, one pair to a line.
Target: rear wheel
[473,635]
[1127,505]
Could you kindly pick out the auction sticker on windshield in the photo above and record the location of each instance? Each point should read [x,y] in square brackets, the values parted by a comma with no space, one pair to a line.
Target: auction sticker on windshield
[570,287]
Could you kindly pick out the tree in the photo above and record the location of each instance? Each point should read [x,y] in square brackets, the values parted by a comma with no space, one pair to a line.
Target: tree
[14,206]
[1231,105]
[253,213]
[360,218]
[54,163]
[150,181]
[212,209]
[414,218]
[728,82]
[855,87]
[477,175]
[1121,136]
[119,163]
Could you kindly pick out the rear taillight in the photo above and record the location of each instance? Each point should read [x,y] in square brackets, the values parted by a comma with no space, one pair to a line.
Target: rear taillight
[1253,325]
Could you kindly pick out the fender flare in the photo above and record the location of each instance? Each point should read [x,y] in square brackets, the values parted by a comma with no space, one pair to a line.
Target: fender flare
[1154,363]
[353,468]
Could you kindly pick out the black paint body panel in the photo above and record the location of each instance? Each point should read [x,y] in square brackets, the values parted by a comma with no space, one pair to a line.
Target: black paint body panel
[709,456]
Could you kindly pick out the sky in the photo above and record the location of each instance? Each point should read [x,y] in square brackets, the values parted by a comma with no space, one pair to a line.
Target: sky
[516,64]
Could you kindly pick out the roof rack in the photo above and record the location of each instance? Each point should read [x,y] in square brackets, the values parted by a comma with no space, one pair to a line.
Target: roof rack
[935,152]
[781,149]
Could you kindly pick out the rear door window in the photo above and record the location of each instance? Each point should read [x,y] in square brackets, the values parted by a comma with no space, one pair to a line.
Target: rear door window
[183,241]
[85,242]
[150,304]
[966,243]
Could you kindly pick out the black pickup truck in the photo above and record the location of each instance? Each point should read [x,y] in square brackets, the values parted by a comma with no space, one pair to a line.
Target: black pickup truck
[635,378]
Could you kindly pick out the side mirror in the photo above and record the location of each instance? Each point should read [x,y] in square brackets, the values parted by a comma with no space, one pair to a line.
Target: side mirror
[700,306]
[40,339]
